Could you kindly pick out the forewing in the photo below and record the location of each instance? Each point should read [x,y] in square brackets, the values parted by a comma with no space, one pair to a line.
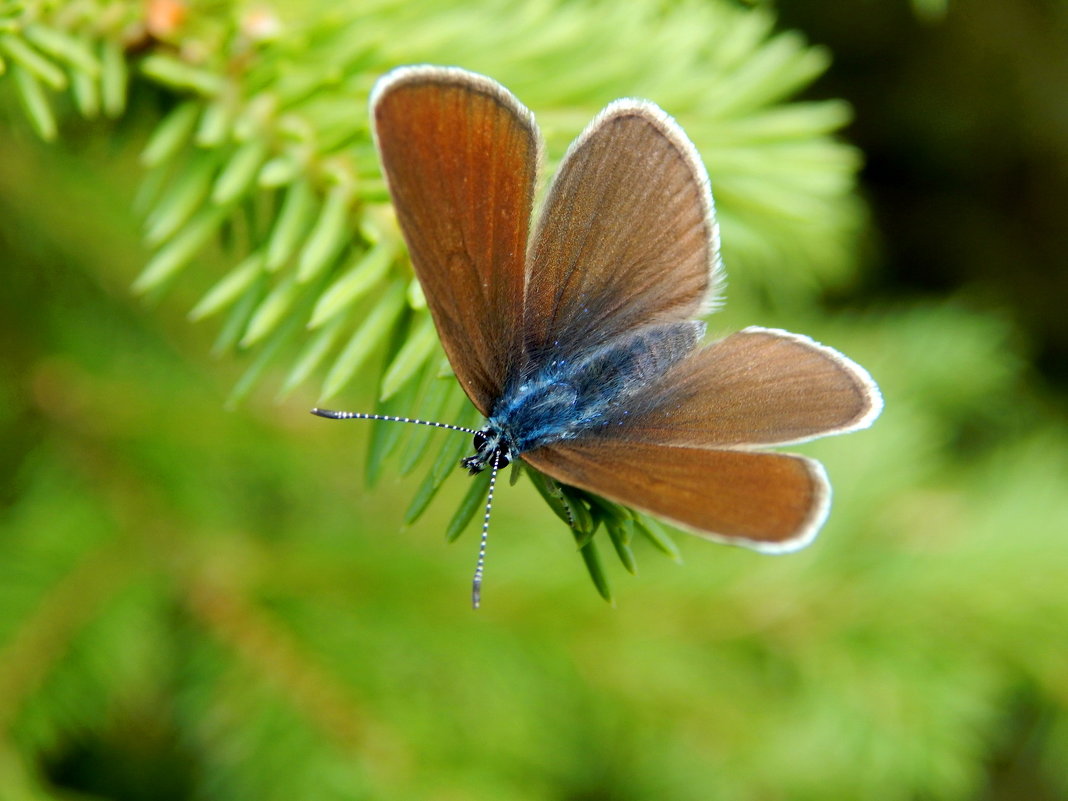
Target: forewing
[627,236]
[460,155]
[770,502]
[755,388]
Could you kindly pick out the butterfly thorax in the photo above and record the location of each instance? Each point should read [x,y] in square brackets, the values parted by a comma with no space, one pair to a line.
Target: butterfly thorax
[539,411]
[568,397]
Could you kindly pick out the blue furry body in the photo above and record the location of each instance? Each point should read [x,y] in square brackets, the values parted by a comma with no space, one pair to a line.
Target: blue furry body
[571,395]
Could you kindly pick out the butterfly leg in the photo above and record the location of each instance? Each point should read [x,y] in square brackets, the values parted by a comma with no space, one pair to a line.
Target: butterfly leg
[558,493]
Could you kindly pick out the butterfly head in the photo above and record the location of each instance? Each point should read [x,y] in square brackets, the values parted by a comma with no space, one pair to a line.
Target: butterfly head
[492,447]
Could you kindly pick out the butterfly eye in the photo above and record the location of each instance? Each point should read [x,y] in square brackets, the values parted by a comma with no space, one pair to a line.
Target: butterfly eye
[480,440]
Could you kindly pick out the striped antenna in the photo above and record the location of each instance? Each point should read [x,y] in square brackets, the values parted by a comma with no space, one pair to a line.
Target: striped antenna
[476,584]
[388,418]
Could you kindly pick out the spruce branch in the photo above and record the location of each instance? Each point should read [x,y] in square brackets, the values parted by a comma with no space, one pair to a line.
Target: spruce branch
[268,133]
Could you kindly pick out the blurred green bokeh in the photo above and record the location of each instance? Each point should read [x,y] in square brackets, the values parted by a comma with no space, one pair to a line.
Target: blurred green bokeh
[206,604]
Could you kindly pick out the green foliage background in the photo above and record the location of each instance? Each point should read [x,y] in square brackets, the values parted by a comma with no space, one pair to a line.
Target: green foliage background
[207,604]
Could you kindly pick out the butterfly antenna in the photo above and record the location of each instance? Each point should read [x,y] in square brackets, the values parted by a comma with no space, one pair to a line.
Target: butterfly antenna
[388,418]
[476,584]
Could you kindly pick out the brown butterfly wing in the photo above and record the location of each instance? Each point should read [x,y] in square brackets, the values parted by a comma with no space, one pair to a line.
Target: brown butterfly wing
[755,388]
[770,502]
[680,448]
[460,155]
[626,238]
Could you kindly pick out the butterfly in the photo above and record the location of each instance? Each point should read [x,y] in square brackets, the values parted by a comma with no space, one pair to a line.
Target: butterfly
[579,342]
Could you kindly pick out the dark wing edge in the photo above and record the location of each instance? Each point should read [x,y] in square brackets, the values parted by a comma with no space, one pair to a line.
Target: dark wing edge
[672,131]
[757,388]
[477,310]
[567,464]
[626,235]
[805,534]
[869,391]
[802,537]
[433,73]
